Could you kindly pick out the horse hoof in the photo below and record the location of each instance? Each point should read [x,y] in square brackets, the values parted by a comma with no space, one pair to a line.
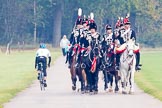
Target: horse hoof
[73,88]
[82,92]
[78,90]
[110,90]
[95,92]
[106,90]
[91,93]
[124,92]
[130,92]
[116,90]
[87,91]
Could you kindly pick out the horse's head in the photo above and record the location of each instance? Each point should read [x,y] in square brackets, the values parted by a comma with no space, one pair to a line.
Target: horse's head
[130,47]
[95,51]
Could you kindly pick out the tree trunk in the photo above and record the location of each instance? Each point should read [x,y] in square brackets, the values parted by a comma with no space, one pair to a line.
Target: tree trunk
[35,24]
[57,25]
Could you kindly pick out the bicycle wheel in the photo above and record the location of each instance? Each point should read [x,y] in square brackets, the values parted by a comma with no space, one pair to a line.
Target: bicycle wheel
[42,81]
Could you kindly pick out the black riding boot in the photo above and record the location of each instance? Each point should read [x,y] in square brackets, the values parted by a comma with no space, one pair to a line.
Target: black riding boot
[69,59]
[117,61]
[138,61]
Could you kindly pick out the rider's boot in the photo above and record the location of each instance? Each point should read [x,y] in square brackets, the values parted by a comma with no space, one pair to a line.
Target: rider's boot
[117,61]
[138,61]
[69,60]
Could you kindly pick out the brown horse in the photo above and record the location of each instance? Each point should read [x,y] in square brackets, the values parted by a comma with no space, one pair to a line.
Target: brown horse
[76,71]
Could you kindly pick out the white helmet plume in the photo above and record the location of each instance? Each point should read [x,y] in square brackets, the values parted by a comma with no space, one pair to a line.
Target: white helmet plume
[92,16]
[128,15]
[79,12]
[122,18]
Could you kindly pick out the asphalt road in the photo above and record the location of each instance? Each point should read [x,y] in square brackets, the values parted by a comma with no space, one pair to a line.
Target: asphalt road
[60,95]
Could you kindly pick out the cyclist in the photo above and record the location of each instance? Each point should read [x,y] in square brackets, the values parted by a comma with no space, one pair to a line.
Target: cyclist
[42,55]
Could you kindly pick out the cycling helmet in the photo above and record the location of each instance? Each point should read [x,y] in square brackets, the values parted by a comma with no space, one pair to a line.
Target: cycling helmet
[42,46]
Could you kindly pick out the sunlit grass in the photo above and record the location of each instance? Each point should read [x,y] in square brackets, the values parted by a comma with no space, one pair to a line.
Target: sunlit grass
[17,72]
[150,78]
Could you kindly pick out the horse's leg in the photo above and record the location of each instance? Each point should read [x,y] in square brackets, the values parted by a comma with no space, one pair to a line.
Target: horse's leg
[88,79]
[123,81]
[116,81]
[73,78]
[105,80]
[123,87]
[111,82]
[84,76]
[82,81]
[91,81]
[96,81]
[131,82]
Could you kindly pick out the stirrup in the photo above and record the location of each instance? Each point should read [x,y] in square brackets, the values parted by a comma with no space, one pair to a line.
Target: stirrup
[86,53]
[77,65]
[117,67]
[140,65]
[83,66]
[138,68]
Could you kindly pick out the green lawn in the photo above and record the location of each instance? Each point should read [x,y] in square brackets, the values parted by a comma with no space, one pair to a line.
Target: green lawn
[150,77]
[17,72]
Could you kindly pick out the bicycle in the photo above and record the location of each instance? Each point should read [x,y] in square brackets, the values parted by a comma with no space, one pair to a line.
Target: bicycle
[41,78]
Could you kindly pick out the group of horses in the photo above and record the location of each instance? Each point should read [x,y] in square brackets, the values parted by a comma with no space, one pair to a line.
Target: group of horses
[95,60]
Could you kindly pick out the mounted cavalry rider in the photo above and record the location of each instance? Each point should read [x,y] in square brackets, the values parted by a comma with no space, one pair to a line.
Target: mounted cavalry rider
[90,37]
[77,30]
[83,42]
[95,38]
[125,34]
[108,38]
[75,35]
[131,34]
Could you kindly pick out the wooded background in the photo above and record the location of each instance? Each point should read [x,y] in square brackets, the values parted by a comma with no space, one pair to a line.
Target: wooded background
[35,21]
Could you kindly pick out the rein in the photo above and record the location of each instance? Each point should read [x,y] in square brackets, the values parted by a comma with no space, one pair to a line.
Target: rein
[125,59]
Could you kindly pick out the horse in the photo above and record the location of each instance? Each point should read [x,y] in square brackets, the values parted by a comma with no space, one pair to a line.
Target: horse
[75,72]
[91,63]
[127,66]
[108,64]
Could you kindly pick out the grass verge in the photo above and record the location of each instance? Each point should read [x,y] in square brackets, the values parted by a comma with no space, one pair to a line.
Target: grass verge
[17,72]
[150,77]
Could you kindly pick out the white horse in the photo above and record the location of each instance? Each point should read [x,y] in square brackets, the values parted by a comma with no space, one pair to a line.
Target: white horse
[127,67]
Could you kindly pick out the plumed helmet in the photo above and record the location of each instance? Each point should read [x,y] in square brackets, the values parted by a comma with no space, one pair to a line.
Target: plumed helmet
[92,26]
[85,20]
[42,45]
[79,19]
[126,19]
[127,23]
[118,23]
